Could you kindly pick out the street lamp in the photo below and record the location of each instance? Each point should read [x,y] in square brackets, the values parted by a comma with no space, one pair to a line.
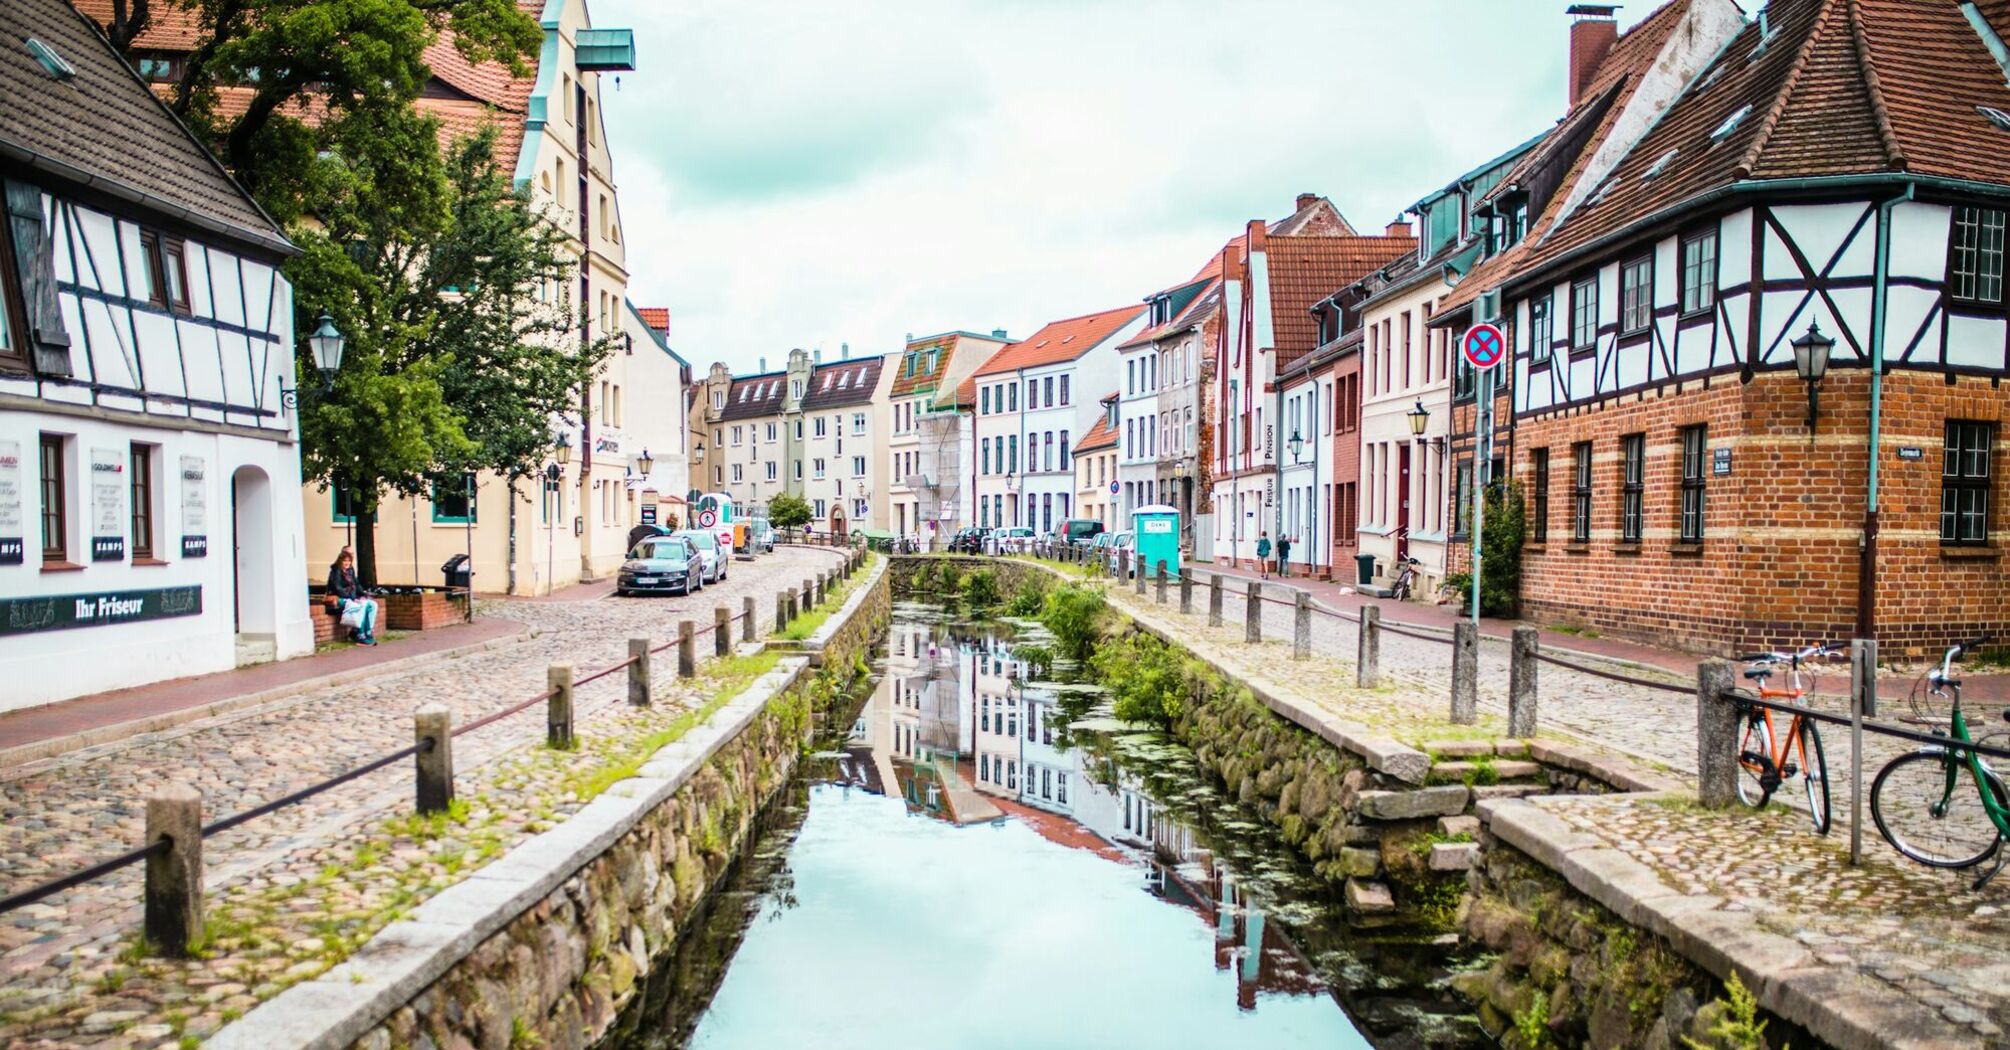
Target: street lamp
[1419,417]
[326,342]
[1296,444]
[644,462]
[1811,361]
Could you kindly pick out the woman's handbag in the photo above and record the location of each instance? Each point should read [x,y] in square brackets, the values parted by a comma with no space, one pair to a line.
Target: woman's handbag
[352,614]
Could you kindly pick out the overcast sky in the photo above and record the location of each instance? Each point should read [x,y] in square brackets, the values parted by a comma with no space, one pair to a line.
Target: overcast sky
[814,172]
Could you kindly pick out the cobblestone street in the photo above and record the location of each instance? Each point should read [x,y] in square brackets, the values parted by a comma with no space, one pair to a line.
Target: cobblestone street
[66,812]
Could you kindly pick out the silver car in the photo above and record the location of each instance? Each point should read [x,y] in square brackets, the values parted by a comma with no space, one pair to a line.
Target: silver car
[709,553]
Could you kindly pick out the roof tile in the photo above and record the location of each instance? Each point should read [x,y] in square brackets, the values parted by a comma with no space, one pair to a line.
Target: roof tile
[1063,340]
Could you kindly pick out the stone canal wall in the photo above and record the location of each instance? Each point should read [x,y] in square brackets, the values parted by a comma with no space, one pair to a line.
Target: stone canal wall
[545,946]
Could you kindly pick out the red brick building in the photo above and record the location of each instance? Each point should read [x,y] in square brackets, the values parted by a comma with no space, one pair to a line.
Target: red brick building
[1721,192]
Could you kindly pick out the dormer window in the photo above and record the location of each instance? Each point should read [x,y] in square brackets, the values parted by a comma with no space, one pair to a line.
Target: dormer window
[1731,123]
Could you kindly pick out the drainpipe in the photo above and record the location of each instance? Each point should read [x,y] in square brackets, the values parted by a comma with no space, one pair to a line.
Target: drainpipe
[1866,573]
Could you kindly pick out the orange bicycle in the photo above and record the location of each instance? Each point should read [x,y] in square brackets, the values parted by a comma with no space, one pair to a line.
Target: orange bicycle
[1765,759]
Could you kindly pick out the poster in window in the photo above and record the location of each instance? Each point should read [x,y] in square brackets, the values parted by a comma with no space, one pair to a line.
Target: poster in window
[108,504]
[13,532]
[194,508]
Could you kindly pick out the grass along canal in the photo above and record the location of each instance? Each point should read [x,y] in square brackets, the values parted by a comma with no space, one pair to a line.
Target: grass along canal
[987,857]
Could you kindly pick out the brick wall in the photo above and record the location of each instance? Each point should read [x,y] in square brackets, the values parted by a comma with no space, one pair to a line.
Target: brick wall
[1346,471]
[1780,556]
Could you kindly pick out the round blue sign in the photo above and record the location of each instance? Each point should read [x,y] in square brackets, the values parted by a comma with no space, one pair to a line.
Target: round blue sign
[1484,346]
[1113,488]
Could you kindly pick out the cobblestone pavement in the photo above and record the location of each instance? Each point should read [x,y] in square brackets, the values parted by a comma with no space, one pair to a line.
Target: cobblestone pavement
[62,977]
[1922,932]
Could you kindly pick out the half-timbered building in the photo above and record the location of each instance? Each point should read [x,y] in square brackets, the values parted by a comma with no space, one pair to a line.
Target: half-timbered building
[1827,181]
[150,520]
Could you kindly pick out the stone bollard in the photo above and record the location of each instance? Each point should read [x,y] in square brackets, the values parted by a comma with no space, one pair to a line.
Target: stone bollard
[1185,591]
[1123,564]
[1465,673]
[1160,585]
[818,584]
[1522,690]
[722,631]
[638,672]
[809,591]
[1214,600]
[781,611]
[1716,736]
[1141,574]
[1368,648]
[747,618]
[1301,628]
[558,710]
[173,891]
[434,764]
[794,606]
[1252,614]
[687,649]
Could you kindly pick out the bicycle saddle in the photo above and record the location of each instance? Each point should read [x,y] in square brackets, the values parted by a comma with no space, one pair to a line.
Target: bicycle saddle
[1759,674]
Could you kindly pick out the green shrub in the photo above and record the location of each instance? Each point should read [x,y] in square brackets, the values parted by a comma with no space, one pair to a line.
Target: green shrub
[788,511]
[1502,533]
[980,588]
[1028,602]
[1075,615]
[1148,680]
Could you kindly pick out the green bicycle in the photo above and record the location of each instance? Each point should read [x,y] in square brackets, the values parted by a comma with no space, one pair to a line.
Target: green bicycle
[1919,804]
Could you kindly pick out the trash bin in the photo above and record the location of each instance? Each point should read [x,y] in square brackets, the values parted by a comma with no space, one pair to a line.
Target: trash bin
[1364,565]
[458,570]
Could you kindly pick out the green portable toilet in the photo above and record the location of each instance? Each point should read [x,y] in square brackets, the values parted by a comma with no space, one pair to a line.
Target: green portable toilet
[1155,534]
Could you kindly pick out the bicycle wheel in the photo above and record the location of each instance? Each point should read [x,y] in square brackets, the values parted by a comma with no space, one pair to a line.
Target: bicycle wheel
[1755,757]
[1815,774]
[1918,813]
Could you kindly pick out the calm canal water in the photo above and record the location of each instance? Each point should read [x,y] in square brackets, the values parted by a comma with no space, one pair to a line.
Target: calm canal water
[982,860]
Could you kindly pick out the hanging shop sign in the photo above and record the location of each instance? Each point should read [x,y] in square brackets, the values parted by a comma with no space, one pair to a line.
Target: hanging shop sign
[194,508]
[108,505]
[13,533]
[59,612]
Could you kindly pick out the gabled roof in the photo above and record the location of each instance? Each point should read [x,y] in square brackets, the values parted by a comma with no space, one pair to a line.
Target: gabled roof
[755,395]
[656,317]
[1571,145]
[1060,341]
[1192,314]
[1102,435]
[1305,270]
[843,383]
[105,128]
[923,377]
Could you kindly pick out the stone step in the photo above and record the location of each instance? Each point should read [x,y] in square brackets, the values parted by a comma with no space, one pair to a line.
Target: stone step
[1458,748]
[1443,800]
[1494,791]
[1454,856]
[1503,769]
[1365,897]
[1454,826]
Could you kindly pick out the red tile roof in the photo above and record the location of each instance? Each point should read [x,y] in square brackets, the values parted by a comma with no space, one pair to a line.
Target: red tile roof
[1063,340]
[657,317]
[904,382]
[1305,269]
[1101,435]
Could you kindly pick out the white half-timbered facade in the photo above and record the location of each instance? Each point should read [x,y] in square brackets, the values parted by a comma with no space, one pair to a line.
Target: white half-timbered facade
[150,519]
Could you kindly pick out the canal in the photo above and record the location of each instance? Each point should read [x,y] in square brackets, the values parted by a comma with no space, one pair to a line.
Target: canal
[983,858]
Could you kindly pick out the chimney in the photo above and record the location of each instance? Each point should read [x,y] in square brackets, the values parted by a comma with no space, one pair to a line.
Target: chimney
[764,365]
[844,351]
[1399,228]
[999,333]
[1593,31]
[1257,233]
[817,356]
[1307,200]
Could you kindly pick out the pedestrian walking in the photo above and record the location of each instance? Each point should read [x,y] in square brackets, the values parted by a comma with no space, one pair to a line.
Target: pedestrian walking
[1263,554]
[1284,555]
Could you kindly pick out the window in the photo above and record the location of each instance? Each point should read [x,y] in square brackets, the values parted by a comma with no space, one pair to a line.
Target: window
[858,466]
[857,423]
[1580,494]
[819,427]
[141,485]
[1977,267]
[1964,483]
[453,499]
[55,501]
[822,508]
[1065,461]
[1013,397]
[1064,390]
[1539,465]
[771,470]
[736,433]
[1465,378]
[1633,477]
[817,470]
[1699,272]
[167,272]
[985,448]
[1462,499]
[1541,329]
[737,476]
[1584,313]
[984,399]
[1032,394]
[1047,391]
[1636,295]
[341,504]
[1693,445]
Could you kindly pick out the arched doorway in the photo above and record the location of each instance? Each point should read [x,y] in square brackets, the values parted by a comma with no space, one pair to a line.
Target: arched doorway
[253,586]
[837,522]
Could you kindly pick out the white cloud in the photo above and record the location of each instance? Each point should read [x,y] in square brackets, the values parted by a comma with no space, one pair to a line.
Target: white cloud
[798,173]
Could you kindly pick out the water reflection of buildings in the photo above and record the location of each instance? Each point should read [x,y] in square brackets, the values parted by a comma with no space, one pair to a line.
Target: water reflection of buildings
[956,711]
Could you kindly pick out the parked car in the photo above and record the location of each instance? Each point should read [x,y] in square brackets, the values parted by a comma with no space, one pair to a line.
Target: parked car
[1081,532]
[661,565]
[763,535]
[710,552]
[969,539]
[1122,541]
[1017,538]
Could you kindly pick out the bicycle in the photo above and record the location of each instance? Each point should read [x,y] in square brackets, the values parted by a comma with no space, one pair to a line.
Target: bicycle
[1765,761]
[1916,801]
[1406,581]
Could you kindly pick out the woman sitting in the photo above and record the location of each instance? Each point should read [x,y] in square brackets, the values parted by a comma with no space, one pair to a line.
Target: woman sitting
[347,597]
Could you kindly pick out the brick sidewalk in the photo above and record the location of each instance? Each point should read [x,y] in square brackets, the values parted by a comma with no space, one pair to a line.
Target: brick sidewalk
[49,729]
[1339,597]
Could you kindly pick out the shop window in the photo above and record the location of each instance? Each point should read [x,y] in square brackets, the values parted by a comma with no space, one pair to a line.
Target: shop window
[140,483]
[55,485]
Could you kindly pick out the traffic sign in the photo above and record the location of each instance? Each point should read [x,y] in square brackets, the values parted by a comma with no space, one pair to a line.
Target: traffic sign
[1113,488]
[707,518]
[1484,346]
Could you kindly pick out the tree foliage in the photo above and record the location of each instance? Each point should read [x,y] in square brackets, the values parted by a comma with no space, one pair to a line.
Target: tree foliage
[1503,530]
[788,511]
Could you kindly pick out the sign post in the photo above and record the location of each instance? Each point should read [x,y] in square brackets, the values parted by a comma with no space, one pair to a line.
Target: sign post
[1485,346]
